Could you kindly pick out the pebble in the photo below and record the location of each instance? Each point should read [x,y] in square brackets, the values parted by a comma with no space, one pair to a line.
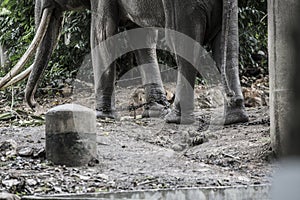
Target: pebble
[25,152]
[8,148]
[31,182]
[10,182]
[179,147]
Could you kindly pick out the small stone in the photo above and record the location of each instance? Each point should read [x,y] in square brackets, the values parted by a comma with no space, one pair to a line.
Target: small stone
[243,179]
[31,182]
[198,140]
[57,189]
[10,182]
[93,162]
[91,190]
[25,152]
[8,148]
[82,177]
[69,81]
[102,176]
[179,147]
[139,117]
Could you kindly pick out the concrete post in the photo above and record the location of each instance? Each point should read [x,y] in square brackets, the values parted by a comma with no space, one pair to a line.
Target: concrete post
[282,15]
[294,126]
[71,135]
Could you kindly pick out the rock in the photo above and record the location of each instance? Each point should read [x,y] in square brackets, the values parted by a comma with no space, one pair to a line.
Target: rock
[82,177]
[243,179]
[40,153]
[91,190]
[8,196]
[8,148]
[10,182]
[57,189]
[102,176]
[93,162]
[31,182]
[25,152]
[71,135]
[198,140]
[179,147]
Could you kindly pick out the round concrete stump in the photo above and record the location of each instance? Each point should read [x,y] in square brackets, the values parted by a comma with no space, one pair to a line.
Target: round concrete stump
[71,135]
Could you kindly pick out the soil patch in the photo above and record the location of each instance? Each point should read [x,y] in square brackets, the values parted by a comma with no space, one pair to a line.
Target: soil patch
[136,154]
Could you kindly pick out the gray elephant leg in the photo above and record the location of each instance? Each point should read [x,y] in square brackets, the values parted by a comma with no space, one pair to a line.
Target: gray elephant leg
[157,104]
[194,27]
[235,109]
[104,25]
[104,92]
[183,112]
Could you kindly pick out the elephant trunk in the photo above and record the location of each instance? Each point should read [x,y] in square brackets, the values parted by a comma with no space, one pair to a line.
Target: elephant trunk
[43,54]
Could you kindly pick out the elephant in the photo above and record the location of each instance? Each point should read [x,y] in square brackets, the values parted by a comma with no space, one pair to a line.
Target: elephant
[218,29]
[201,20]
[48,20]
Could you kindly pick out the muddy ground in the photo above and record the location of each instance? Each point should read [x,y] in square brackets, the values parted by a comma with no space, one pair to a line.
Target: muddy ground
[136,154]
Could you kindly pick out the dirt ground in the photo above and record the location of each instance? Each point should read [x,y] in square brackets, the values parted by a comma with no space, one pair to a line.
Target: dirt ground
[136,154]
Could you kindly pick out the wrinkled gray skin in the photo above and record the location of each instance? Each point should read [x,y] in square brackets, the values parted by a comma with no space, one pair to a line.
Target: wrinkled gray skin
[202,23]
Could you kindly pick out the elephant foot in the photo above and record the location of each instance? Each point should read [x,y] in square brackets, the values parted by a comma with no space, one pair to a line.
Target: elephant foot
[234,113]
[105,114]
[175,117]
[155,110]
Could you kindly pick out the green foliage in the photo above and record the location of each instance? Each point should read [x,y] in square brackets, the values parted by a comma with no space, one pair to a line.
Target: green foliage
[16,27]
[253,40]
